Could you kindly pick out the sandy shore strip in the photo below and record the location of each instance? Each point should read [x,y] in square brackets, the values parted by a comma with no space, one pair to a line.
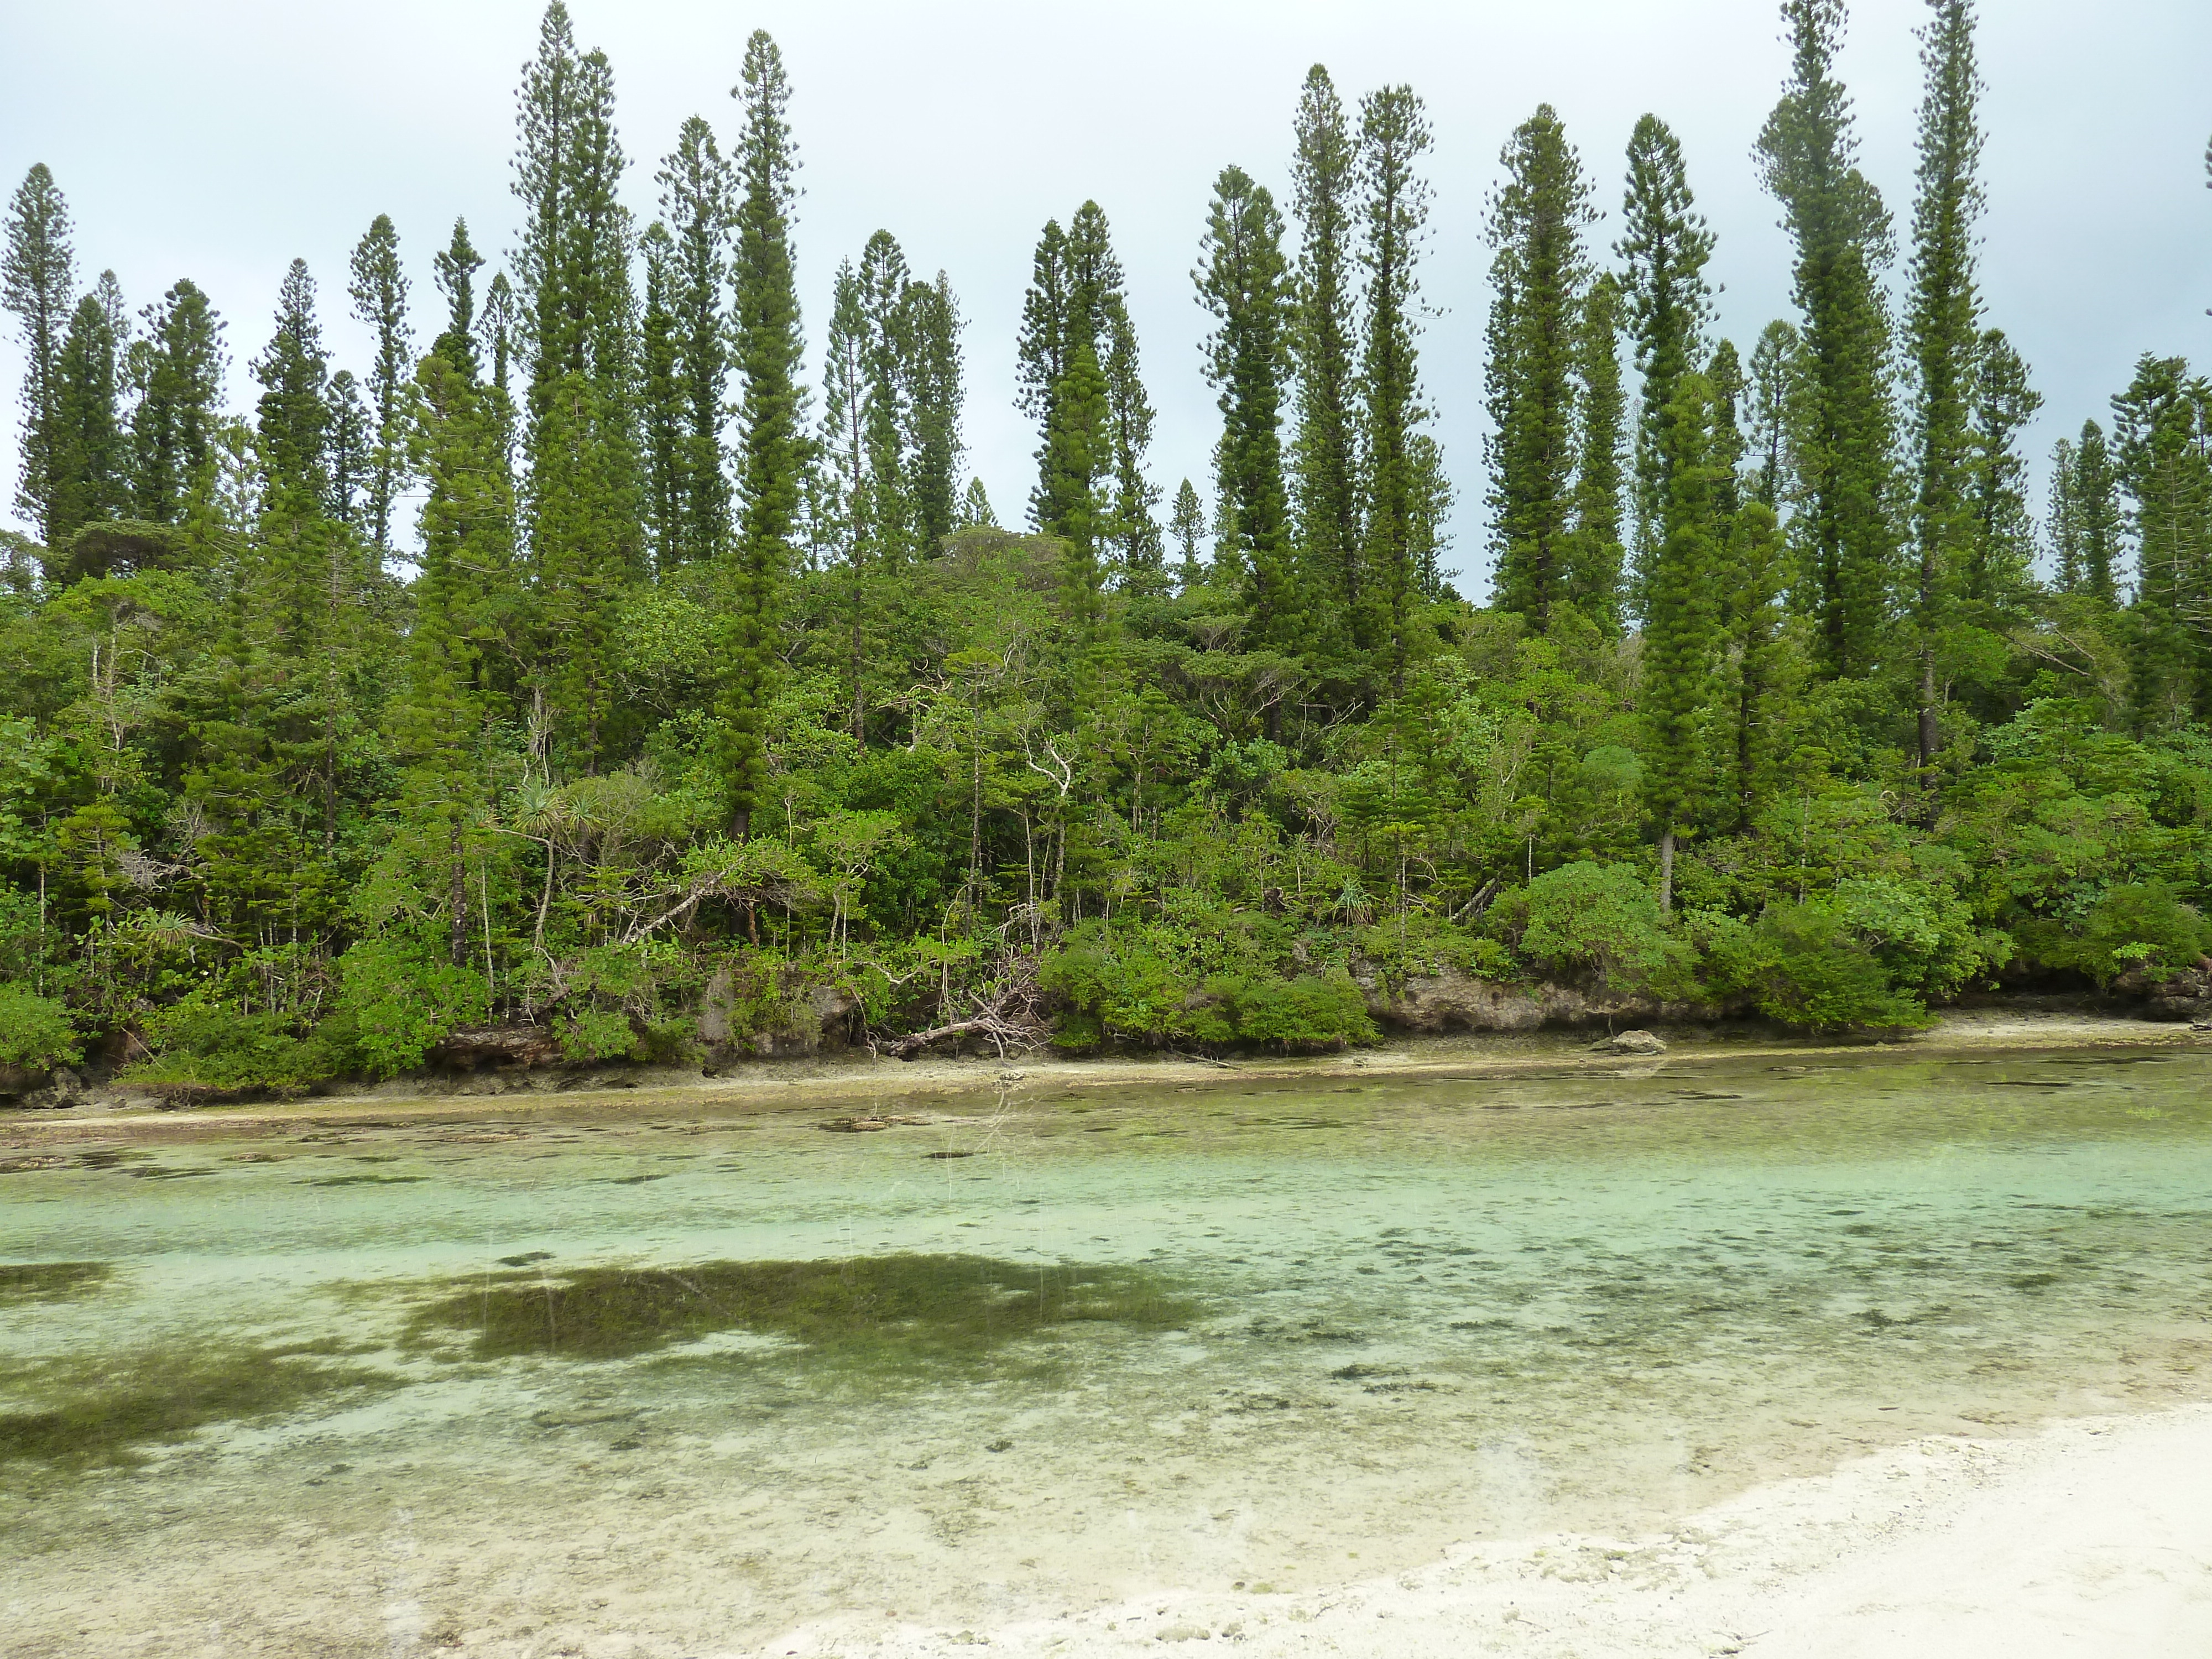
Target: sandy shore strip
[864,1081]
[2092,1538]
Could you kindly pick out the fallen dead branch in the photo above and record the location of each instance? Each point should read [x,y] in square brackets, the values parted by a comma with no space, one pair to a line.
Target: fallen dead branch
[1007,1015]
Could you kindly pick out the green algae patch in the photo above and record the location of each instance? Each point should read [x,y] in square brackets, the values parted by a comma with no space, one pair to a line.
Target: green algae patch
[914,1308]
[52,1281]
[78,1413]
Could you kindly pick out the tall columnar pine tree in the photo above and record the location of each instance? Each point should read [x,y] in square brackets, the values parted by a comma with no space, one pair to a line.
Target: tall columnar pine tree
[1776,382]
[1243,284]
[1595,550]
[1725,369]
[352,452]
[88,460]
[772,447]
[1749,663]
[310,582]
[934,392]
[843,445]
[889,443]
[1680,624]
[2097,511]
[698,206]
[1664,248]
[453,269]
[1133,523]
[1942,333]
[850,500]
[885,351]
[2162,444]
[1844,441]
[455,440]
[1757,659]
[490,589]
[1076,296]
[1187,525]
[293,427]
[1540,274]
[1325,453]
[175,368]
[2062,519]
[38,285]
[1432,500]
[1098,311]
[975,511]
[1041,350]
[584,506]
[660,401]
[378,291]
[1076,448]
[2000,546]
[1393,212]
[498,336]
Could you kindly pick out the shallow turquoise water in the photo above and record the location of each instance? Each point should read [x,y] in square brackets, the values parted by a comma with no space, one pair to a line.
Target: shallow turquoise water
[1371,1319]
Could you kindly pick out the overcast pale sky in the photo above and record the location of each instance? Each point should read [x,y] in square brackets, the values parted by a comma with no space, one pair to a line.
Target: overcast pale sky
[218,140]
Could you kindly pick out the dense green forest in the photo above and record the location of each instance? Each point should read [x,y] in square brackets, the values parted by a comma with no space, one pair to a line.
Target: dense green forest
[603,658]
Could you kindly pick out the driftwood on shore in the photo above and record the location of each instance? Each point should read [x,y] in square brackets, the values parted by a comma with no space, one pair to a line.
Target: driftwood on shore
[1007,1016]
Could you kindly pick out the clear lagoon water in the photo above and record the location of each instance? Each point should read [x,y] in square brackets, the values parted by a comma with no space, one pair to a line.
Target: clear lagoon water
[674,1374]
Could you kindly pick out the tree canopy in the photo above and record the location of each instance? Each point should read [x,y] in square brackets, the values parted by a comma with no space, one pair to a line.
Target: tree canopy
[579,659]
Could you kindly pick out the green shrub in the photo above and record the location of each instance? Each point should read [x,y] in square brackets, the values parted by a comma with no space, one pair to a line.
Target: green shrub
[204,1043]
[1116,985]
[2142,927]
[1397,948]
[1808,965]
[1312,1011]
[1123,985]
[595,1034]
[404,1001]
[1923,934]
[34,1031]
[1599,919]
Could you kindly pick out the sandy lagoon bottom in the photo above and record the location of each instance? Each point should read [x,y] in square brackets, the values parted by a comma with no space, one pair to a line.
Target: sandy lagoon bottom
[1624,1362]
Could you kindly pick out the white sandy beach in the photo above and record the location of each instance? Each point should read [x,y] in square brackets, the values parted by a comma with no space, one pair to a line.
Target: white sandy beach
[2091,1540]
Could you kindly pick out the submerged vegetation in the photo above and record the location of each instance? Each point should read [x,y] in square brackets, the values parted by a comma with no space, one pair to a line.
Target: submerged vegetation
[108,1407]
[704,705]
[894,1310]
[52,1281]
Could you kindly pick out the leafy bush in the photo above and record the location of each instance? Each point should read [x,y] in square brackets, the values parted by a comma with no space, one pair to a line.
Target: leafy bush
[595,1034]
[1602,918]
[34,1031]
[1311,1011]
[1129,986]
[2142,926]
[1808,965]
[1924,935]
[204,1043]
[1397,948]
[404,1001]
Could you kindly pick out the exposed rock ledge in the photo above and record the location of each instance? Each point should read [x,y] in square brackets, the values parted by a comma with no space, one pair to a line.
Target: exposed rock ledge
[1452,1001]
[40,1089]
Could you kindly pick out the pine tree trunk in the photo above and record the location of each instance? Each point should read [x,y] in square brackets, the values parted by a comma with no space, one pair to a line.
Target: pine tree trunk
[1930,736]
[859,658]
[1746,714]
[457,940]
[1666,871]
[975,820]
